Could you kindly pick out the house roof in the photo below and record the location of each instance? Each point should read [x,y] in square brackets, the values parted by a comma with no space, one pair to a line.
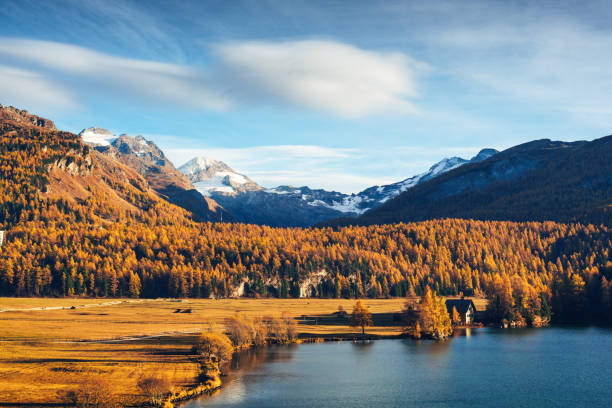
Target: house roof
[461,305]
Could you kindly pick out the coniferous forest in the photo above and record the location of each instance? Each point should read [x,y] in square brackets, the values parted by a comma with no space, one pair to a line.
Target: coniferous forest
[115,237]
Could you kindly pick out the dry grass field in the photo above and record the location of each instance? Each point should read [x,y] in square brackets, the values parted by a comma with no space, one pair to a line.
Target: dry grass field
[45,352]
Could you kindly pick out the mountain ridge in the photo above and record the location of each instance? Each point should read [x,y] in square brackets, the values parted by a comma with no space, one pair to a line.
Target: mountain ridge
[541,180]
[299,206]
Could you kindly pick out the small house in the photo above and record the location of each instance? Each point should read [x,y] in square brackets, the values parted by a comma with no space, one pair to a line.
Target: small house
[465,308]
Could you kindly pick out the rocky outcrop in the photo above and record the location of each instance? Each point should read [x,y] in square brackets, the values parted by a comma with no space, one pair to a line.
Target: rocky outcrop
[22,117]
[308,287]
[74,166]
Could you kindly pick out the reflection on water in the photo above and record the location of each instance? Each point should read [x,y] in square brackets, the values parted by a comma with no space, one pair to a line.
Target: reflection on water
[466,331]
[558,367]
[363,346]
[427,346]
[248,359]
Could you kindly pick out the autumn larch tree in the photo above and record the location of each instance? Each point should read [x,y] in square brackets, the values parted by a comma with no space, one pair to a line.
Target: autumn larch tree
[361,317]
[433,316]
[455,317]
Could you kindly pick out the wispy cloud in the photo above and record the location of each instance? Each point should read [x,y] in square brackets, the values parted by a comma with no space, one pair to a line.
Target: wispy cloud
[327,76]
[247,157]
[138,80]
[298,165]
[20,87]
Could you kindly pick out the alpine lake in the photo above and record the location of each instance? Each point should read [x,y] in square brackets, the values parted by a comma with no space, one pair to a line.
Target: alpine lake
[548,367]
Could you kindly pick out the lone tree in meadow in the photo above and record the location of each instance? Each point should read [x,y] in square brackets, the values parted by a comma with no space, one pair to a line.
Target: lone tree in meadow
[361,317]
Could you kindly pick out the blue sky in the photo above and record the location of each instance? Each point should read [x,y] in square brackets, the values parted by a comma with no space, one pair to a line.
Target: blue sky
[339,95]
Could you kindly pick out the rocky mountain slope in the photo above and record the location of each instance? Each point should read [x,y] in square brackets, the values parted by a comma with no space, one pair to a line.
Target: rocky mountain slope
[149,161]
[536,181]
[24,118]
[51,175]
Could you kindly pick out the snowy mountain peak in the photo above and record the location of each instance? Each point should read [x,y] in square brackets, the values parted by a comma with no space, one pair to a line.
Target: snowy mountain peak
[445,165]
[484,154]
[140,147]
[202,168]
[374,196]
[211,176]
[97,136]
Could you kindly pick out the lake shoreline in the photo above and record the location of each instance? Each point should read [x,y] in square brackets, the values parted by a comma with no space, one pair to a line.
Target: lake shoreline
[280,376]
[304,338]
[192,393]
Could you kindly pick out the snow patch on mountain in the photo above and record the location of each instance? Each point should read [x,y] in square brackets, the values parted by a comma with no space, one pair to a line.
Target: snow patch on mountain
[97,136]
[350,204]
[377,195]
[216,179]
[210,177]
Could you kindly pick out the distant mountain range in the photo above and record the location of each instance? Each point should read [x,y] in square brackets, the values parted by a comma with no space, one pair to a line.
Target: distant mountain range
[540,180]
[536,181]
[292,206]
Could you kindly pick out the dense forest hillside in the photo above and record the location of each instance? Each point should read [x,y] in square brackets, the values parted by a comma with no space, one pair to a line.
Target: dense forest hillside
[79,223]
[537,181]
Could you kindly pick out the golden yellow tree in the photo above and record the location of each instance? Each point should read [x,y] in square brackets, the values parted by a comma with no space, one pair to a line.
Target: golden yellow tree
[361,317]
[455,316]
[433,317]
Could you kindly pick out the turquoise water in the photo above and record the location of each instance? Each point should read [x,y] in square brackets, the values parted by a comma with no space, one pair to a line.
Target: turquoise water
[555,367]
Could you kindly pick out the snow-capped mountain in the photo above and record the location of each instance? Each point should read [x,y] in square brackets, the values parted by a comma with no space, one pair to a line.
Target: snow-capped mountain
[355,204]
[540,180]
[151,163]
[374,196]
[97,136]
[212,177]
[298,206]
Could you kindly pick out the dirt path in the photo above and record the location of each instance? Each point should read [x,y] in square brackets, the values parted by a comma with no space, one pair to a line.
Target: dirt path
[114,302]
[140,337]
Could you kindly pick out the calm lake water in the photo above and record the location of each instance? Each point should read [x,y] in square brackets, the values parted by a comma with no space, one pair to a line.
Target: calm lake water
[555,367]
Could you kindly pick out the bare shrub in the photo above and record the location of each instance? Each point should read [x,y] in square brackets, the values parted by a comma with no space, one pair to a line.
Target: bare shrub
[261,332]
[154,387]
[276,329]
[94,391]
[240,330]
[290,327]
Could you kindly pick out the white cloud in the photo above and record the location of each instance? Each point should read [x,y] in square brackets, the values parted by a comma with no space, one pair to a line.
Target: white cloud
[326,76]
[30,90]
[140,80]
